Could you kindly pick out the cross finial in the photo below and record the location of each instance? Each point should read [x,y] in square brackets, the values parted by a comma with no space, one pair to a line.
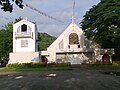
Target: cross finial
[73,19]
[26,18]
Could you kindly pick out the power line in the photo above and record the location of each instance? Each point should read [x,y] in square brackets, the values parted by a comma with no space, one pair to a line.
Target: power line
[6,18]
[42,13]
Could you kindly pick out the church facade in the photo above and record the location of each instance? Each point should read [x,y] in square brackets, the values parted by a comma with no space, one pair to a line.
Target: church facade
[70,47]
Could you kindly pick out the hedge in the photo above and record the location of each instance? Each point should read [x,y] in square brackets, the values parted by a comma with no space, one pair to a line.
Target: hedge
[25,65]
[36,65]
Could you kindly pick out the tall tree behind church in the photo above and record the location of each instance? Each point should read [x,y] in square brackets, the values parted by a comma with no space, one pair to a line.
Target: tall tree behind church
[102,24]
[6,40]
[45,40]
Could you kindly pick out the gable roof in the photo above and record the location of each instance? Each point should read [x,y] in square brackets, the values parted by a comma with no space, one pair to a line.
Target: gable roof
[23,21]
[71,28]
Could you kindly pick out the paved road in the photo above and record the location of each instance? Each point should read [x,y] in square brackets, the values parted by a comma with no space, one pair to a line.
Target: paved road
[80,78]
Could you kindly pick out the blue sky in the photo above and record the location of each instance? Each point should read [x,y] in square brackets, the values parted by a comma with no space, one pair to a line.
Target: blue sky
[60,9]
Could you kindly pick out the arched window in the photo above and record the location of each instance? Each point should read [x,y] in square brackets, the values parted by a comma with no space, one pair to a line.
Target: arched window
[73,38]
[24,28]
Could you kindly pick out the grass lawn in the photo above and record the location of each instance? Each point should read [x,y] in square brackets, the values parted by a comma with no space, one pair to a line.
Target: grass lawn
[33,67]
[112,66]
[19,68]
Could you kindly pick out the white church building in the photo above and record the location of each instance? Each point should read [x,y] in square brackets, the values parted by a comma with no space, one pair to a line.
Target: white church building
[70,47]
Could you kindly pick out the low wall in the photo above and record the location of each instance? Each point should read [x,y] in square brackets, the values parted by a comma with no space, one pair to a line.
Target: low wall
[26,57]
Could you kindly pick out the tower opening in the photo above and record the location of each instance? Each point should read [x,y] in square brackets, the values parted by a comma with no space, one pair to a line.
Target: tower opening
[24,28]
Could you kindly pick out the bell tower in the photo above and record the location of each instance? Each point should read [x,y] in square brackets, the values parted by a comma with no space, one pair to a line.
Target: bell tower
[24,37]
[25,47]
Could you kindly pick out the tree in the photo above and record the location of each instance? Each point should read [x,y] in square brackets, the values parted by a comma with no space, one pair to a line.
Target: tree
[5,44]
[45,40]
[6,5]
[102,24]
[6,40]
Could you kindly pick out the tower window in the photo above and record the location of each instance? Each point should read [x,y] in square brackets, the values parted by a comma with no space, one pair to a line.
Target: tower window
[24,43]
[23,28]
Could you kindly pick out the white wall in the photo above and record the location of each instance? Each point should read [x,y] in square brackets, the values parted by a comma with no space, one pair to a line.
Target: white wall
[27,57]
[28,53]
[32,46]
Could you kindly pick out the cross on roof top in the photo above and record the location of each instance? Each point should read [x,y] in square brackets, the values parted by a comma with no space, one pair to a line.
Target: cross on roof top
[73,19]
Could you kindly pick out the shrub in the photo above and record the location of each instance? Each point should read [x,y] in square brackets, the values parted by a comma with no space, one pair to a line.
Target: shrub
[25,65]
[59,64]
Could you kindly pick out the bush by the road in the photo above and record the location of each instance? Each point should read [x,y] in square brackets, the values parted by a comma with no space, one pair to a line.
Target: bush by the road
[38,66]
[25,65]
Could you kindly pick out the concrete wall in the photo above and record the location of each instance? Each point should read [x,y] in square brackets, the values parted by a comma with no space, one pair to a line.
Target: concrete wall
[26,57]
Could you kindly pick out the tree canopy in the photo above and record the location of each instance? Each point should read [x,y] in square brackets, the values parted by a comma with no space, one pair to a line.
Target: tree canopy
[102,24]
[6,5]
[5,42]
[45,40]
[6,39]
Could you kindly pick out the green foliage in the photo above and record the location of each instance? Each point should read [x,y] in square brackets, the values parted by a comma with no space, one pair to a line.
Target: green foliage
[45,40]
[58,64]
[5,43]
[9,27]
[106,66]
[37,66]
[6,40]
[25,65]
[7,6]
[102,24]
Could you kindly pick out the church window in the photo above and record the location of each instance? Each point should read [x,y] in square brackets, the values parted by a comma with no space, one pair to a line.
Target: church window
[24,43]
[61,45]
[18,29]
[24,28]
[73,38]
[29,29]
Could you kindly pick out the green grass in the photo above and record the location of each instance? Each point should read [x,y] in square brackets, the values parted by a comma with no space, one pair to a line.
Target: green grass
[106,66]
[35,67]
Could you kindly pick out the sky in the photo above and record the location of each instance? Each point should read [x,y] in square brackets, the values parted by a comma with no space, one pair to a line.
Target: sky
[59,9]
